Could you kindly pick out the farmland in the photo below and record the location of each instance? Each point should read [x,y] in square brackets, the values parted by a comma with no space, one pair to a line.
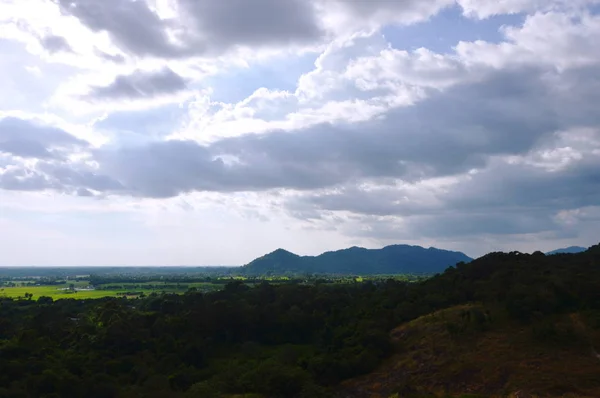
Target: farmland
[74,284]
[82,290]
[54,292]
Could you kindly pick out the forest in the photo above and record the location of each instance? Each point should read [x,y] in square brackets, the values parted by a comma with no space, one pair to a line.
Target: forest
[296,339]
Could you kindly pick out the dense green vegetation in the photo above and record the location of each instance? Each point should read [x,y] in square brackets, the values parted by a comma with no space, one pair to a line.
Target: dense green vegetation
[292,339]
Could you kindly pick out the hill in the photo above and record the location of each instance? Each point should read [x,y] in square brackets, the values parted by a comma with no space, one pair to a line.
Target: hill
[522,325]
[395,259]
[464,350]
[567,250]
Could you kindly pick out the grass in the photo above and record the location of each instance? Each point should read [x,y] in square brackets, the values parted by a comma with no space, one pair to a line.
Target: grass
[61,291]
[54,292]
[448,353]
[58,291]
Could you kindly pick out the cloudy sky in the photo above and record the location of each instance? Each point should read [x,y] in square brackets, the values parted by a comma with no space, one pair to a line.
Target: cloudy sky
[207,132]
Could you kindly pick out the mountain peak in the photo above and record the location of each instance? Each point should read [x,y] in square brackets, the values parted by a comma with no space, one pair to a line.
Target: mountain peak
[393,259]
[568,250]
[281,252]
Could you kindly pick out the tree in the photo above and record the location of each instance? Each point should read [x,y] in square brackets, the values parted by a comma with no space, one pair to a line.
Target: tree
[45,300]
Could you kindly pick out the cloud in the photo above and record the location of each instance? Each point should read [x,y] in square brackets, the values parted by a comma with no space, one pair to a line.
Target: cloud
[254,24]
[201,27]
[54,43]
[79,178]
[507,113]
[556,39]
[482,9]
[453,129]
[374,13]
[37,156]
[526,194]
[139,85]
[29,138]
[132,25]
[63,176]
[116,58]
[25,148]
[22,179]
[189,28]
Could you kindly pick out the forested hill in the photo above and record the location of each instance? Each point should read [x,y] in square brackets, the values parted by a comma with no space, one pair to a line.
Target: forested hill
[570,249]
[395,259]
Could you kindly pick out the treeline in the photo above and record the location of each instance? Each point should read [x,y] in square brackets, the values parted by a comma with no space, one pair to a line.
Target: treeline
[288,340]
[12,282]
[158,286]
[29,272]
[97,280]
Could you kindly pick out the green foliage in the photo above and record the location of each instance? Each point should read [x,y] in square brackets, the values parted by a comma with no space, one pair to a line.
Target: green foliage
[282,339]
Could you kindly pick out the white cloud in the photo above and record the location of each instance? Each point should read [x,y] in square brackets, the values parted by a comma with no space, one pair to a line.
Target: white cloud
[344,16]
[486,8]
[559,40]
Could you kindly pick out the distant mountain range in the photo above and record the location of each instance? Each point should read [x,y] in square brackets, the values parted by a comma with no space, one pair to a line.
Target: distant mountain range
[395,259]
[570,249]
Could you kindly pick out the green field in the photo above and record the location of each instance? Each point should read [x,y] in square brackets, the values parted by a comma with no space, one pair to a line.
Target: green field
[54,292]
[61,291]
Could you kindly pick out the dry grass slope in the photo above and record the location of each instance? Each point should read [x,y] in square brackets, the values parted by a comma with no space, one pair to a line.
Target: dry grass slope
[468,351]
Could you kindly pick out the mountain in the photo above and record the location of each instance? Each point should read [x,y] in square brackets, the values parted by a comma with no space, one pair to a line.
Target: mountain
[395,259]
[570,249]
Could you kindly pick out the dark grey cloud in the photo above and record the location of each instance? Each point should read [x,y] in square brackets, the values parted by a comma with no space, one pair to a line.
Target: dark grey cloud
[56,175]
[166,169]
[254,23]
[77,177]
[132,25]
[51,146]
[116,58]
[575,186]
[395,8]
[23,179]
[25,148]
[451,225]
[84,192]
[206,26]
[501,199]
[26,138]
[55,44]
[140,84]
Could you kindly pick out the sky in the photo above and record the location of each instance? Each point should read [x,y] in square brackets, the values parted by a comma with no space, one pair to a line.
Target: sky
[202,132]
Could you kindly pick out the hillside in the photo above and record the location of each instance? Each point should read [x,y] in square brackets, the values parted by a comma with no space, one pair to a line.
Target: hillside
[567,250]
[526,325]
[466,350]
[395,259]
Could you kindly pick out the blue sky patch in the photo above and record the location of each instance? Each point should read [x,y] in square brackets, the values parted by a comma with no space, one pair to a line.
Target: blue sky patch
[443,31]
[279,73]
